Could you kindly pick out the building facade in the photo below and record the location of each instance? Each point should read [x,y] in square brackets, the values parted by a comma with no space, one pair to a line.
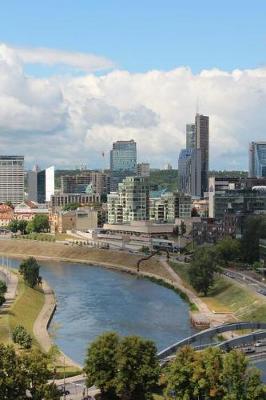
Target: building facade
[190,136]
[202,144]
[41,185]
[257,159]
[166,207]
[130,202]
[99,181]
[123,161]
[143,169]
[63,199]
[11,179]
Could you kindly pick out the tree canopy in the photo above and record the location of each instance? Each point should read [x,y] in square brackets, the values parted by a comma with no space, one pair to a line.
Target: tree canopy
[254,229]
[29,268]
[25,373]
[122,368]
[40,223]
[211,374]
[228,249]
[202,269]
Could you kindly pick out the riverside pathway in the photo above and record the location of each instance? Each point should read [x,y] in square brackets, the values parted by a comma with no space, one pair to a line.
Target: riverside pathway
[11,280]
[215,319]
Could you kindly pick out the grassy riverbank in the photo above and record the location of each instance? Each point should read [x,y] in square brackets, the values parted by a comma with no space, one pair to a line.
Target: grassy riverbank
[229,296]
[84,254]
[23,311]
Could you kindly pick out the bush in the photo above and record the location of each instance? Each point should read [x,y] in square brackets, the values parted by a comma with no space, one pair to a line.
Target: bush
[22,337]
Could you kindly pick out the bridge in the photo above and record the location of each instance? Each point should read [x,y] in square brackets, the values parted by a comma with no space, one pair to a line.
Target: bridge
[203,339]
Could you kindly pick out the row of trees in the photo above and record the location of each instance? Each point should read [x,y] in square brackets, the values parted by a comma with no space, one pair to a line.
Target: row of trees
[40,223]
[127,368]
[25,375]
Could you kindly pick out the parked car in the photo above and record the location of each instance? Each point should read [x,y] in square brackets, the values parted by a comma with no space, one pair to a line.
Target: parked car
[248,350]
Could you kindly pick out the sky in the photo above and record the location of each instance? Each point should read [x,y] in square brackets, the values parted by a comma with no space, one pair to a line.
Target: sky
[76,76]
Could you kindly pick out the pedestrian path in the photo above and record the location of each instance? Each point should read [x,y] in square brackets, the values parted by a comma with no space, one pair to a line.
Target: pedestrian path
[11,280]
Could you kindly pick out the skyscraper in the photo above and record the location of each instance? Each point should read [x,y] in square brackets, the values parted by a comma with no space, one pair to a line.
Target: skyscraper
[257,159]
[190,136]
[11,179]
[41,185]
[202,144]
[123,161]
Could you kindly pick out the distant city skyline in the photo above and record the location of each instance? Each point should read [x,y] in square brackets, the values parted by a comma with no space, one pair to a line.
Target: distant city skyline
[77,77]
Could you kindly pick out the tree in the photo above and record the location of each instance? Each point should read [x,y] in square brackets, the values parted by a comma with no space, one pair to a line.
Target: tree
[137,369]
[22,337]
[71,206]
[3,288]
[211,374]
[203,268]
[254,229]
[13,225]
[22,373]
[228,250]
[22,226]
[100,364]
[176,230]
[29,268]
[40,223]
[122,368]
[194,212]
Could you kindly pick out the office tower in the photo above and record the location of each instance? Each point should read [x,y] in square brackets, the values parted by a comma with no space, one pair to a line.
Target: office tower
[99,181]
[190,136]
[143,169]
[130,202]
[11,179]
[123,161]
[257,159]
[189,172]
[41,185]
[202,144]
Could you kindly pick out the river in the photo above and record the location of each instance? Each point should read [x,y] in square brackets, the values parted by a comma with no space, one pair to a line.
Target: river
[92,300]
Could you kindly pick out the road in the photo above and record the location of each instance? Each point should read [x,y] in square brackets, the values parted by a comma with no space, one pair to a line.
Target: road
[244,279]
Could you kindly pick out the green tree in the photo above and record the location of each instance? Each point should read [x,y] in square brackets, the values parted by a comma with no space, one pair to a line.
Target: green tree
[228,250]
[100,364]
[40,223]
[183,228]
[22,337]
[29,268]
[254,229]
[122,368]
[211,374]
[13,225]
[22,373]
[137,369]
[3,288]
[71,206]
[22,226]
[203,268]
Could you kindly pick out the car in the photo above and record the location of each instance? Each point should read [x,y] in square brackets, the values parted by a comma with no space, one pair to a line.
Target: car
[259,344]
[248,350]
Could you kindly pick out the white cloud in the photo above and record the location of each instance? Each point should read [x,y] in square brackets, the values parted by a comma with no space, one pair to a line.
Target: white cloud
[71,120]
[81,61]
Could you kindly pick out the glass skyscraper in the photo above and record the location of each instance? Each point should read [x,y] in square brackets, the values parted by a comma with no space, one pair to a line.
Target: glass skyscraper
[123,161]
[257,159]
[11,179]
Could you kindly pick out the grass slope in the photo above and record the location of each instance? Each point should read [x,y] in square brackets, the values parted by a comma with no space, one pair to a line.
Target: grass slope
[227,295]
[23,311]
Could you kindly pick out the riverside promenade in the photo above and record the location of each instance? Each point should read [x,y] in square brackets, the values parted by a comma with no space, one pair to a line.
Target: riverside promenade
[11,280]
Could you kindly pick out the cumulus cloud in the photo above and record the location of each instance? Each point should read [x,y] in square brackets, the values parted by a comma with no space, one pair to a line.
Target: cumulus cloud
[72,120]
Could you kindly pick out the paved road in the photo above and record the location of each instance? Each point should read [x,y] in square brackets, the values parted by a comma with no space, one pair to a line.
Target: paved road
[244,279]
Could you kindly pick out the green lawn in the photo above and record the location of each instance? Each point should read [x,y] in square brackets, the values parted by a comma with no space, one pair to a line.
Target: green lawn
[229,296]
[23,311]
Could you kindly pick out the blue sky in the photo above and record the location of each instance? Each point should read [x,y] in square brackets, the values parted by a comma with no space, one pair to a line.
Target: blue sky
[119,70]
[143,35]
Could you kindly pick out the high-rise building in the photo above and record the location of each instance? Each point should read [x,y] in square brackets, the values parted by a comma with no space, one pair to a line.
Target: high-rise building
[41,185]
[189,172]
[123,161]
[143,169]
[257,159]
[130,202]
[190,136]
[202,144]
[11,179]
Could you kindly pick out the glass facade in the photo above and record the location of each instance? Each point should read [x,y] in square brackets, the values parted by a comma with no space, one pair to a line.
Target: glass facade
[12,179]
[123,161]
[257,159]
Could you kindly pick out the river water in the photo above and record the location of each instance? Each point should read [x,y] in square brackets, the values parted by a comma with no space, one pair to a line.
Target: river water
[92,300]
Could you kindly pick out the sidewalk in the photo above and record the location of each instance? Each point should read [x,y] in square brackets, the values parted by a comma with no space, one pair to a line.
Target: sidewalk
[11,280]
